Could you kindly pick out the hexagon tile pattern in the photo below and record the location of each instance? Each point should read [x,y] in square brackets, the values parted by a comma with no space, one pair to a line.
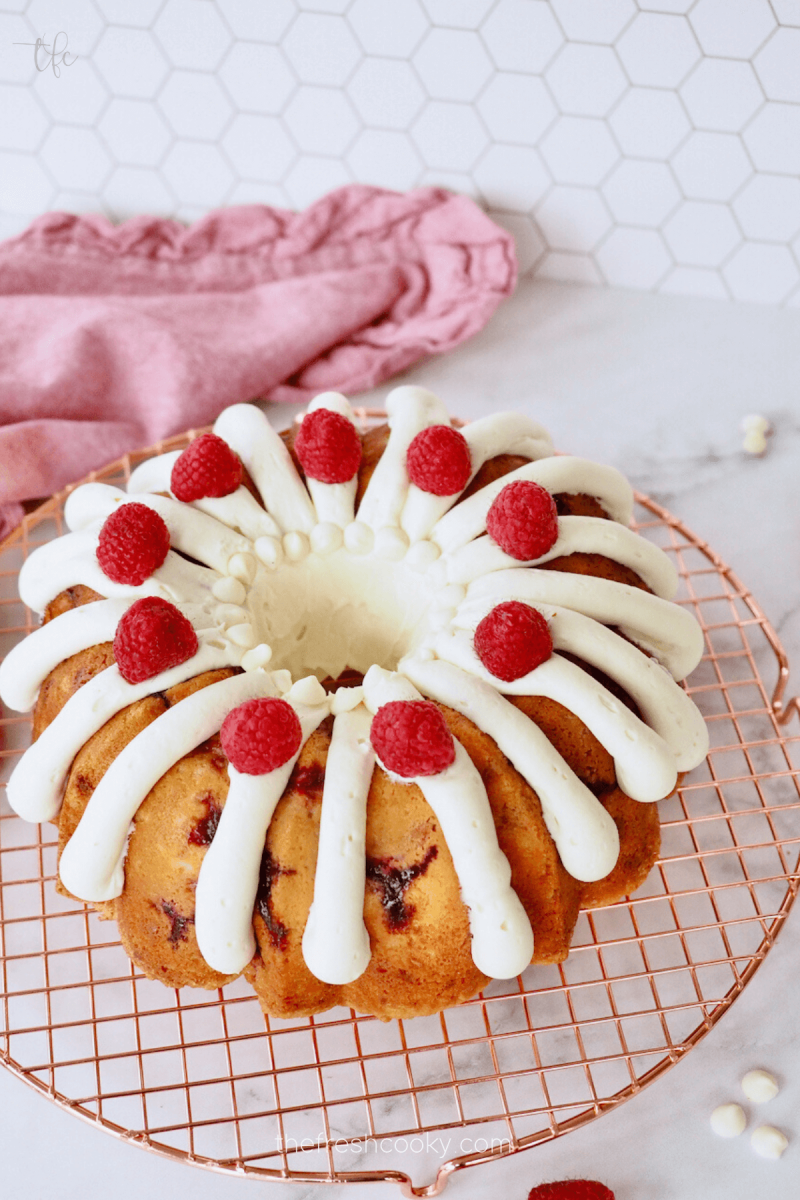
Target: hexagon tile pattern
[651,144]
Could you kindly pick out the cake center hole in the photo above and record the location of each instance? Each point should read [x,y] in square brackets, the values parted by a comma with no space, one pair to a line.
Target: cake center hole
[342,610]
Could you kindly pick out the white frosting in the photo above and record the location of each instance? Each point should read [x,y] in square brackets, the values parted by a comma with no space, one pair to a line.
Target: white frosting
[335,942]
[664,705]
[326,537]
[228,880]
[666,630]
[644,763]
[25,668]
[590,535]
[562,474]
[296,546]
[334,502]
[728,1120]
[501,433]
[760,1086]
[238,510]
[269,551]
[72,559]
[92,864]
[768,1142]
[37,782]
[585,835]
[190,531]
[501,935]
[359,538]
[154,474]
[314,588]
[411,409]
[247,431]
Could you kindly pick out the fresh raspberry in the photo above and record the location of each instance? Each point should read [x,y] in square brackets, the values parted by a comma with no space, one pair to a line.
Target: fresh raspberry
[261,735]
[438,460]
[571,1189]
[411,737]
[328,446]
[152,636]
[133,542]
[512,640]
[207,467]
[523,520]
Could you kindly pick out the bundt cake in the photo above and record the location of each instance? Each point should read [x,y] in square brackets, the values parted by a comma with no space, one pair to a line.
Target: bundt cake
[368,717]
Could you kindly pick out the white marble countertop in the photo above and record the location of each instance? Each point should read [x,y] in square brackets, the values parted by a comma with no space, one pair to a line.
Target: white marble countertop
[657,386]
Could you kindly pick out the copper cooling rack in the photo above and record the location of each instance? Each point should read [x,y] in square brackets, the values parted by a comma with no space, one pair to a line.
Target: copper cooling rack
[204,1077]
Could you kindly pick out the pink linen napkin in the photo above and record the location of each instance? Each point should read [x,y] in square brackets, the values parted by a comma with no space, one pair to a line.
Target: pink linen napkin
[112,338]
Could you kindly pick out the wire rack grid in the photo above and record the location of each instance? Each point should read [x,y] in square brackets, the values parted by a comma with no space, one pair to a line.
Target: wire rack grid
[206,1078]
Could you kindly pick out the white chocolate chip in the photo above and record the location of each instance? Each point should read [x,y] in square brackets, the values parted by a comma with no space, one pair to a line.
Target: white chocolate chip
[728,1121]
[346,699]
[756,429]
[768,1142]
[308,691]
[754,443]
[242,567]
[760,1086]
[229,590]
[296,546]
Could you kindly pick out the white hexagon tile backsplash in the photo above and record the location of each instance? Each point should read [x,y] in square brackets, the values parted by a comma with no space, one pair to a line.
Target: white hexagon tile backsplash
[651,144]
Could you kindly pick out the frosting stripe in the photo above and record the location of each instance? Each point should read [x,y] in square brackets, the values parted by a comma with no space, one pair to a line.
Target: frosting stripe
[588,535]
[410,409]
[502,937]
[228,880]
[36,785]
[92,864]
[663,704]
[72,559]
[500,433]
[239,510]
[562,474]
[585,835]
[665,629]
[247,431]
[335,942]
[25,668]
[192,532]
[334,502]
[154,474]
[644,763]
[501,934]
